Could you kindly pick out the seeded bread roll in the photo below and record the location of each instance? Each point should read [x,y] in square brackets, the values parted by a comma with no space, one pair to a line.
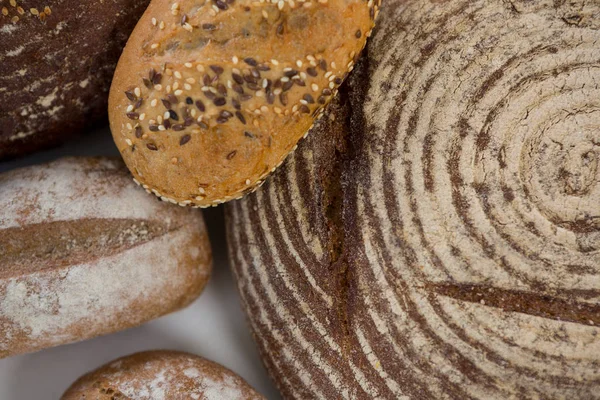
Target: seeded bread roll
[161,375]
[209,97]
[440,238]
[57,58]
[85,252]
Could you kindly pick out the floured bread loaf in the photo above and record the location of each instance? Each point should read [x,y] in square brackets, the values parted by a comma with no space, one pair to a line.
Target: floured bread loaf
[57,58]
[209,97]
[440,239]
[158,375]
[85,252]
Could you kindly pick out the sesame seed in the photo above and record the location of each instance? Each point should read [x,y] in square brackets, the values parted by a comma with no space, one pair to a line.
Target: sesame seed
[280,4]
[129,126]
[176,86]
[47,10]
[333,64]
[4,11]
[188,27]
[129,142]
[264,109]
[187,86]
[265,15]
[161,25]
[260,93]
[299,63]
[178,75]
[154,21]
[129,108]
[188,65]
[13,3]
[247,181]
[162,128]
[217,69]
[314,87]
[235,59]
[142,116]
[154,45]
[174,161]
[20,10]
[34,11]
[178,92]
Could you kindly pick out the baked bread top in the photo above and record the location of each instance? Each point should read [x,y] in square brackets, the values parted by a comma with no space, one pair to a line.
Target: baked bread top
[161,375]
[209,98]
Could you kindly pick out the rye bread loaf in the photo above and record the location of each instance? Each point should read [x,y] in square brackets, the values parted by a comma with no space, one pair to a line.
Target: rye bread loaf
[57,59]
[209,97]
[440,239]
[161,375]
[85,252]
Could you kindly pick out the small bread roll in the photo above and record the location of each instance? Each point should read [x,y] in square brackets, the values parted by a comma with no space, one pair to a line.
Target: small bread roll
[161,375]
[85,252]
[209,97]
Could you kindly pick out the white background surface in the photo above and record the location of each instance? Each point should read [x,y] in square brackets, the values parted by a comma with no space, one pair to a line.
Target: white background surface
[214,326]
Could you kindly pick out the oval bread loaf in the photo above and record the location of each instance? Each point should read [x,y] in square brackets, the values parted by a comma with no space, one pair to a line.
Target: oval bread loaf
[440,238]
[57,59]
[161,375]
[209,97]
[85,252]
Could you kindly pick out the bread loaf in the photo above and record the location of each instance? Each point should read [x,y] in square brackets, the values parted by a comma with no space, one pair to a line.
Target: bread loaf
[161,375]
[440,238]
[209,97]
[56,63]
[86,252]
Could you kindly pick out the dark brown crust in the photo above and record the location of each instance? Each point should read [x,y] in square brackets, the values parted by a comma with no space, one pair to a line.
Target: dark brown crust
[57,68]
[439,250]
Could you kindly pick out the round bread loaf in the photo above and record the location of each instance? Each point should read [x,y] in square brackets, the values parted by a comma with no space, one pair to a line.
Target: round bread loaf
[440,239]
[85,252]
[161,375]
[209,97]
[57,59]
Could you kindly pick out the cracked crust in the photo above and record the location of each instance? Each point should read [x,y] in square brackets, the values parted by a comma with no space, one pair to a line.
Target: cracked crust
[447,246]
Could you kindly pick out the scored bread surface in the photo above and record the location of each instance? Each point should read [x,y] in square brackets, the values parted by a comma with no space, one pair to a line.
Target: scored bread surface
[161,375]
[447,245]
[209,97]
[86,252]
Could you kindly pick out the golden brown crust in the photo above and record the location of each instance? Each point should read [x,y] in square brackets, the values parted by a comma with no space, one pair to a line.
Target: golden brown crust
[209,98]
[161,375]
